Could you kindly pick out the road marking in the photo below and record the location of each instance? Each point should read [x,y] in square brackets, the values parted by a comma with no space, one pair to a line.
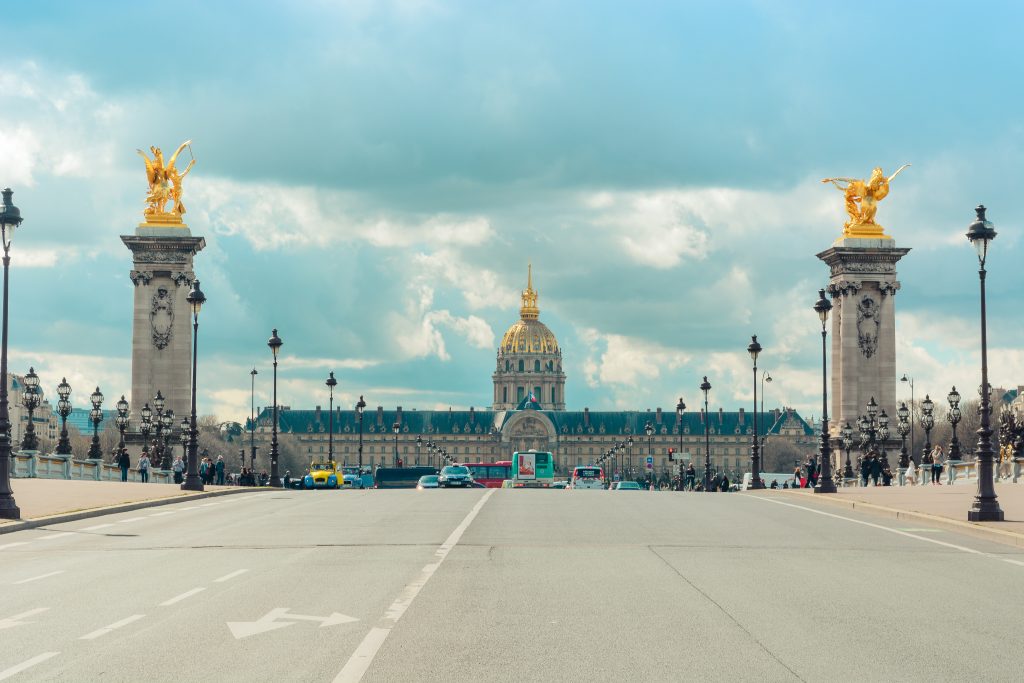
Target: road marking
[113,627]
[1016,562]
[164,513]
[54,536]
[268,622]
[929,531]
[27,664]
[361,659]
[97,527]
[14,545]
[11,622]
[41,576]
[179,598]
[206,505]
[228,577]
[193,507]
[133,519]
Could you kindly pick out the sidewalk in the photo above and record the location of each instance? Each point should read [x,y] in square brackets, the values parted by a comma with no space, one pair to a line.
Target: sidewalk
[50,501]
[943,506]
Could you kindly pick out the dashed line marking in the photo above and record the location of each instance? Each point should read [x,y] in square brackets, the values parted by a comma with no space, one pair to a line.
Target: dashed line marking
[113,627]
[27,664]
[164,513]
[133,519]
[183,596]
[37,578]
[228,577]
[97,527]
[13,545]
[54,536]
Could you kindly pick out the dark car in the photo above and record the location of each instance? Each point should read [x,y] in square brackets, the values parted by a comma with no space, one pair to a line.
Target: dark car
[400,477]
[455,475]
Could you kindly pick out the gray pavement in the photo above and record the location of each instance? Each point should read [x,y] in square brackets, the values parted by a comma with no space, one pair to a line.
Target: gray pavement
[505,585]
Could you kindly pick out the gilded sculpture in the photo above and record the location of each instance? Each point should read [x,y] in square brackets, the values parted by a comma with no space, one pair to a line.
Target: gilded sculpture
[862,197]
[165,185]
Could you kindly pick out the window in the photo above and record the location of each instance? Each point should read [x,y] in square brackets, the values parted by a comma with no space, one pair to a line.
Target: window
[520,366]
[520,393]
[553,396]
[537,394]
[536,366]
[504,394]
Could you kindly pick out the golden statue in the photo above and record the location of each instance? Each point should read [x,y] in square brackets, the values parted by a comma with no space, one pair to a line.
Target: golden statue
[165,185]
[862,197]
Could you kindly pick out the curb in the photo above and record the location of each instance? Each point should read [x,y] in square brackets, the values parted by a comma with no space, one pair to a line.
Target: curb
[123,507]
[970,528]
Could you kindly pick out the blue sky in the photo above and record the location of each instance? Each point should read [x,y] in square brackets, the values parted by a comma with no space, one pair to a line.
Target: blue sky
[373,178]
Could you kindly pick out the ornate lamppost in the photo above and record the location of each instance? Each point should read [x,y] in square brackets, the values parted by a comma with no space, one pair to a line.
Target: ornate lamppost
[755,454]
[825,483]
[30,399]
[903,428]
[954,416]
[331,383]
[927,421]
[96,415]
[360,406]
[986,506]
[192,482]
[183,437]
[680,411]
[706,387]
[913,431]
[396,428]
[846,434]
[649,431]
[167,419]
[419,442]
[146,426]
[275,345]
[64,410]
[159,402]
[121,421]
[883,437]
[252,420]
[10,219]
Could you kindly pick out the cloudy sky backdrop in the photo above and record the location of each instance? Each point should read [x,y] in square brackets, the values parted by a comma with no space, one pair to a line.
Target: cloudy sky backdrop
[373,177]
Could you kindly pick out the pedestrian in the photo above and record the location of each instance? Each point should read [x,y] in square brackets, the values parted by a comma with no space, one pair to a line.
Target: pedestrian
[798,479]
[775,483]
[912,474]
[144,467]
[124,462]
[691,475]
[202,470]
[178,467]
[220,470]
[287,479]
[936,465]
[865,470]
[876,469]
[886,476]
[725,483]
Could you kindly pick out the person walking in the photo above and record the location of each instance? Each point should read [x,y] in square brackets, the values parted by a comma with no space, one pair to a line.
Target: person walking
[220,470]
[691,475]
[124,462]
[865,470]
[144,467]
[178,467]
[936,465]
[876,469]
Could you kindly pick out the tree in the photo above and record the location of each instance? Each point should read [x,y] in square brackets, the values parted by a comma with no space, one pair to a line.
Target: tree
[780,454]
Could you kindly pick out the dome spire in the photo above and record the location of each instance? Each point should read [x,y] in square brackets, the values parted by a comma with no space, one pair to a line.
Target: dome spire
[529,310]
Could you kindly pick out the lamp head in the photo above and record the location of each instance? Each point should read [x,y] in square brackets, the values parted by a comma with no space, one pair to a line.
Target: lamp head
[122,406]
[680,407]
[10,218]
[753,348]
[146,413]
[64,389]
[822,306]
[331,382]
[872,408]
[903,412]
[97,398]
[274,343]
[159,402]
[927,405]
[953,397]
[980,233]
[196,298]
[360,406]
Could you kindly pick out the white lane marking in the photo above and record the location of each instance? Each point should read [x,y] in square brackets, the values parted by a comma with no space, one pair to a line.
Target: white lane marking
[133,519]
[41,576]
[1016,562]
[269,622]
[164,513]
[206,505]
[193,507]
[361,659]
[179,598]
[875,526]
[11,622]
[27,664]
[54,536]
[97,527]
[228,577]
[14,545]
[113,627]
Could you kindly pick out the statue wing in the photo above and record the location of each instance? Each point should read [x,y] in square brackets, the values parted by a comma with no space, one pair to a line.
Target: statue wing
[174,157]
[150,169]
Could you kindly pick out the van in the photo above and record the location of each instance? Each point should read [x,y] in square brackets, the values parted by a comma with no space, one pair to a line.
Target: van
[587,477]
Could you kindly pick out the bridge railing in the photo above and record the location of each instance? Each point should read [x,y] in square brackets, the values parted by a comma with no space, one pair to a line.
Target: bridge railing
[36,465]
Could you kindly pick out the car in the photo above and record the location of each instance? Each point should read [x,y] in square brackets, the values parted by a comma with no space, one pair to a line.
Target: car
[473,483]
[626,486]
[427,481]
[322,475]
[559,484]
[455,475]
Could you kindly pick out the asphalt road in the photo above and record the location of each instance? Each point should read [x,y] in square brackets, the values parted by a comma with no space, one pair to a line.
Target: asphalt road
[505,585]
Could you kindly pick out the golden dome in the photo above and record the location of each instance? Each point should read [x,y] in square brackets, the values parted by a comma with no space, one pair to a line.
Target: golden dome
[529,335]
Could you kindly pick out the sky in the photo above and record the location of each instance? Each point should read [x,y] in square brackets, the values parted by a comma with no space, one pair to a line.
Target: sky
[374,176]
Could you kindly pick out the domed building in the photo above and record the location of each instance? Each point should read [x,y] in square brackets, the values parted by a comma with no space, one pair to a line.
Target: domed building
[529,365]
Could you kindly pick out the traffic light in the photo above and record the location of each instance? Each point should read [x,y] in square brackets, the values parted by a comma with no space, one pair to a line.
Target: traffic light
[670,452]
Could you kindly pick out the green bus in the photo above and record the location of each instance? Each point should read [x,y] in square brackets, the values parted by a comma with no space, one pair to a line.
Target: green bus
[533,469]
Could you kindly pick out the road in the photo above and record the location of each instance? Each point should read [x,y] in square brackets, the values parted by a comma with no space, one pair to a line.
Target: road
[505,585]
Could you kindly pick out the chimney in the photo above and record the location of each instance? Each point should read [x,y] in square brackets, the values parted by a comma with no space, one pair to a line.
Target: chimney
[702,416]
[776,414]
[657,418]
[472,416]
[721,417]
[380,416]
[742,417]
[586,417]
[398,415]
[317,418]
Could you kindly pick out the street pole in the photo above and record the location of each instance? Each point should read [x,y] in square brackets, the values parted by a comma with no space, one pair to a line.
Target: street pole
[192,482]
[706,387]
[331,383]
[9,220]
[825,481]
[755,457]
[252,421]
[359,418]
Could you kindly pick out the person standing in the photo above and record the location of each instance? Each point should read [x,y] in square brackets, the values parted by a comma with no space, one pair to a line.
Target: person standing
[124,462]
[691,475]
[936,465]
[178,467]
[865,470]
[144,467]
[876,468]
[220,470]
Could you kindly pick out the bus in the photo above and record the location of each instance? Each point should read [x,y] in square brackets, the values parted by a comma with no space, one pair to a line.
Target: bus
[490,474]
[533,469]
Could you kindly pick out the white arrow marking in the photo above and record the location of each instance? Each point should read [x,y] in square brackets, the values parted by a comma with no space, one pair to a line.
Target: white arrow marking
[27,664]
[244,629]
[11,622]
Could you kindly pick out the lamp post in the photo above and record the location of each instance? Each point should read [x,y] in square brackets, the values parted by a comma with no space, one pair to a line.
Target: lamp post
[360,406]
[706,387]
[10,219]
[30,399]
[158,408]
[275,345]
[252,420]
[825,482]
[331,383]
[183,437]
[121,421]
[192,482]
[954,416]
[927,421]
[883,437]
[96,415]
[680,410]
[903,428]
[64,410]
[145,426]
[167,419]
[765,377]
[755,454]
[396,428]
[847,438]
[419,442]
[649,431]
[986,506]
[913,431]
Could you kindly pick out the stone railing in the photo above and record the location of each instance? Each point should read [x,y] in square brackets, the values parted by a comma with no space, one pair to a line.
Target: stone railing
[36,465]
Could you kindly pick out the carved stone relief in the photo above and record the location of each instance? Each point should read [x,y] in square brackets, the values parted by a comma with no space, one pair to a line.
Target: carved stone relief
[183,278]
[867,326]
[161,318]
[888,288]
[140,277]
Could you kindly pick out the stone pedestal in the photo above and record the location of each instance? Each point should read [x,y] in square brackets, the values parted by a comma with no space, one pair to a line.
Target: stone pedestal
[863,287]
[162,328]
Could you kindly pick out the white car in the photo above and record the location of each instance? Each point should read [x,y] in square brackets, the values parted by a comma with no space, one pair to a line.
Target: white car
[587,477]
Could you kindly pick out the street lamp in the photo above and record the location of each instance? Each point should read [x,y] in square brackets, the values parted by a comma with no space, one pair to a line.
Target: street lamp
[145,426]
[883,436]
[183,437]
[167,420]
[903,427]
[649,431]
[275,345]
[158,405]
[396,428]
[986,505]
[359,418]
[192,482]
[825,483]
[913,430]
[331,383]
[755,456]
[121,421]
[30,399]
[252,420]
[64,410]
[680,409]
[96,415]
[954,416]
[927,421]
[10,219]
[419,442]
[705,386]
[847,437]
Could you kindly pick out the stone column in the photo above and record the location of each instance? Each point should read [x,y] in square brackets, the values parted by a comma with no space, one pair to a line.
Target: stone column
[162,328]
[863,287]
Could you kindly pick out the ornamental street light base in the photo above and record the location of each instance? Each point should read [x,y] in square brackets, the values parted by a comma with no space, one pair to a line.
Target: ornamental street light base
[825,485]
[192,483]
[9,509]
[985,510]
